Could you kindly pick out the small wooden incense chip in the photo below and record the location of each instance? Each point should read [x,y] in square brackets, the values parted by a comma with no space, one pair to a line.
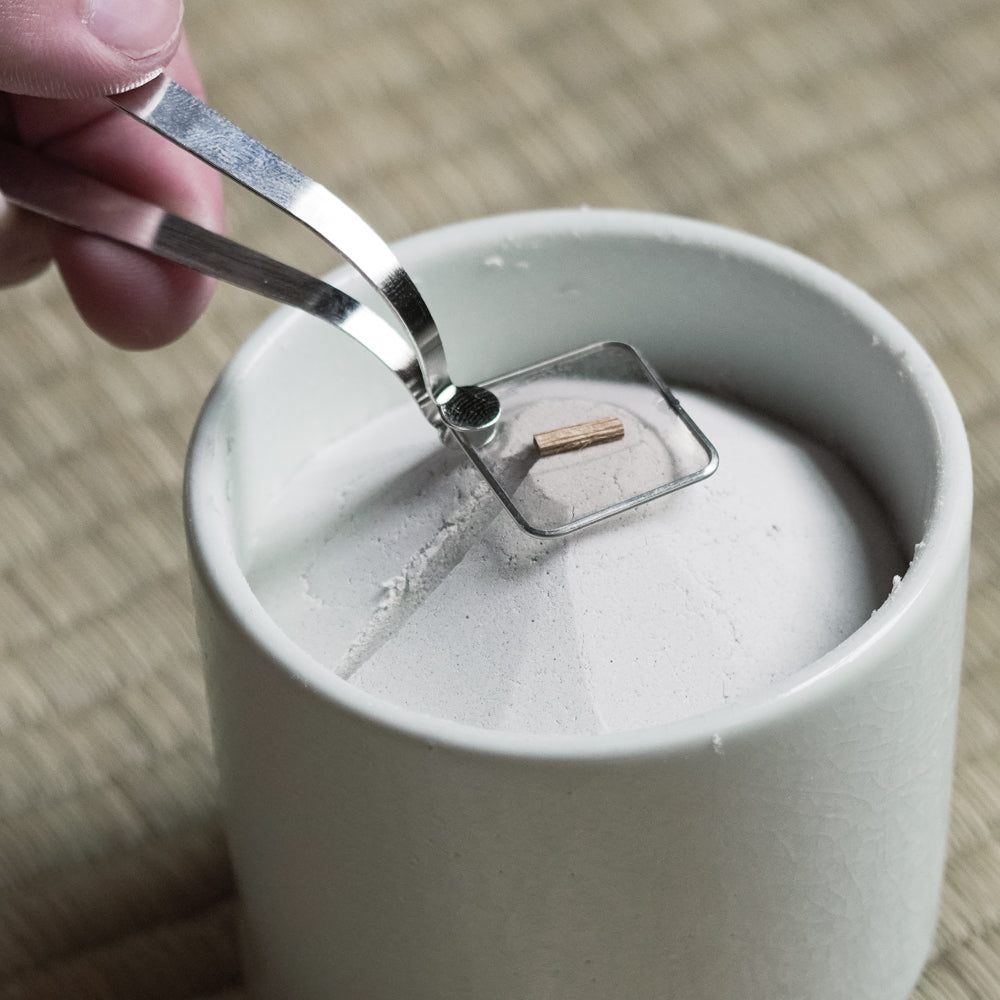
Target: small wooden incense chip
[583,435]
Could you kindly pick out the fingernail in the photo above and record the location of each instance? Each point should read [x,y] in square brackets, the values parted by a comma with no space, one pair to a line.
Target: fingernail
[136,28]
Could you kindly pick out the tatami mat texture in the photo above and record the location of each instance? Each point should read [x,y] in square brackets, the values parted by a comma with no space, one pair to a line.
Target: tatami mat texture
[864,133]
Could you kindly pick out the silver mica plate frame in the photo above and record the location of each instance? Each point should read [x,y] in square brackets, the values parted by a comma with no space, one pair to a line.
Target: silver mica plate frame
[662,449]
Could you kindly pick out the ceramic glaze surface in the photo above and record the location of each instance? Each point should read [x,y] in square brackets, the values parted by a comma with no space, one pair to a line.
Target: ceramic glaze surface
[786,845]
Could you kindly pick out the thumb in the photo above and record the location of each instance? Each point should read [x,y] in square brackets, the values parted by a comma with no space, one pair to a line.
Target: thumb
[83,48]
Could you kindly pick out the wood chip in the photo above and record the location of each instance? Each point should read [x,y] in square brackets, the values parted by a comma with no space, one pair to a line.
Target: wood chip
[579,436]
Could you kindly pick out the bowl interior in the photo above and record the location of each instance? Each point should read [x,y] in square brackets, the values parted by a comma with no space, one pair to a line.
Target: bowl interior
[708,307]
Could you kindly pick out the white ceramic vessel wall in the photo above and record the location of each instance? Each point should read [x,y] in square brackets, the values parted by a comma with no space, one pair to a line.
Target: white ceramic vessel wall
[789,847]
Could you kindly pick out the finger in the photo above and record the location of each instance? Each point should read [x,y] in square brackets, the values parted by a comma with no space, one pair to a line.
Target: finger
[79,48]
[25,244]
[131,299]
[127,296]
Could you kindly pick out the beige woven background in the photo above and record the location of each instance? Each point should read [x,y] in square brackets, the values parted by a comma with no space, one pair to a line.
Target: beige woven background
[865,133]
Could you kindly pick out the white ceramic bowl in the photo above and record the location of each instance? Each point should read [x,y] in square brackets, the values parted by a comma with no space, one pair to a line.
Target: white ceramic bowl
[789,845]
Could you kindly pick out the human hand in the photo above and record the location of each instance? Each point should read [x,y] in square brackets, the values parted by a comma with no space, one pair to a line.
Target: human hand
[57,59]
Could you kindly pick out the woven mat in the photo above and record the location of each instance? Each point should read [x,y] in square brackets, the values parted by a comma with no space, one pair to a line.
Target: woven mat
[865,133]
